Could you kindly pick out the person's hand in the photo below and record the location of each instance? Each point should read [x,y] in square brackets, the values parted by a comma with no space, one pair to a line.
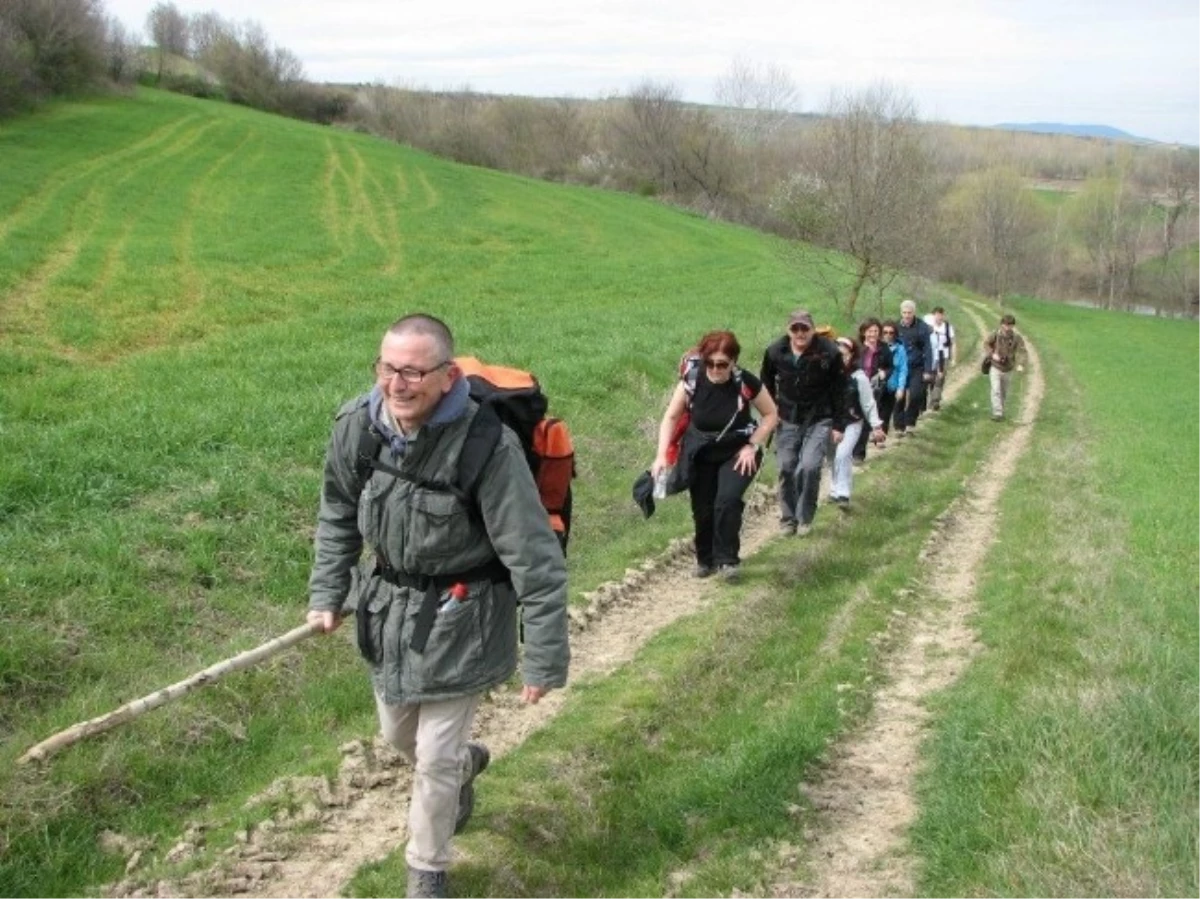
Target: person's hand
[878,436]
[995,357]
[836,437]
[327,622]
[899,394]
[657,466]
[927,377]
[531,694]
[746,461]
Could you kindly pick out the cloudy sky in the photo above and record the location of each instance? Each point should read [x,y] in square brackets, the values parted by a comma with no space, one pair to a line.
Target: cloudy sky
[1130,64]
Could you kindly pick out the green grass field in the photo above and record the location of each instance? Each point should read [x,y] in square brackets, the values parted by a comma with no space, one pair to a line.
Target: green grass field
[1066,760]
[189,290]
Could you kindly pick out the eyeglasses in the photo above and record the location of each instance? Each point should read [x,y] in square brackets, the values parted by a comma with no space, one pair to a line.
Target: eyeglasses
[409,374]
[713,364]
[798,327]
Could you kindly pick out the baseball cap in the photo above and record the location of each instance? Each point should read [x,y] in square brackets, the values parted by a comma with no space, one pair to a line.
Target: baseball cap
[801,316]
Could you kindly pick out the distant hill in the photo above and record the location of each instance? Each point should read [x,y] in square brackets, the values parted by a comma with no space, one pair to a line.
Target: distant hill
[1103,131]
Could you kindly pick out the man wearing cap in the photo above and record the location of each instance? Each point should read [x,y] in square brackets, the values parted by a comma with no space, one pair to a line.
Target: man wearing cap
[1003,347]
[917,338]
[803,372]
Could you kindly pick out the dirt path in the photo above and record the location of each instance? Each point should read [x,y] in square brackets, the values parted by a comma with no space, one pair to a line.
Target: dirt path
[865,801]
[328,829]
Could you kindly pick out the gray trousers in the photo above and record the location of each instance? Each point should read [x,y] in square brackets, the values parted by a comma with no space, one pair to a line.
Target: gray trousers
[800,452]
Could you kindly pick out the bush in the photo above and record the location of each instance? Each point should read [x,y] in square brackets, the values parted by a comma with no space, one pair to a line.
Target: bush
[192,85]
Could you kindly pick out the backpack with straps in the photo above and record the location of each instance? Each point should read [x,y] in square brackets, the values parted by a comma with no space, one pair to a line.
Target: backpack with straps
[506,396]
[689,372]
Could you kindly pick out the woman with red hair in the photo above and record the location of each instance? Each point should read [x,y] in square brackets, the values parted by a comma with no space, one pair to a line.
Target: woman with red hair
[721,448]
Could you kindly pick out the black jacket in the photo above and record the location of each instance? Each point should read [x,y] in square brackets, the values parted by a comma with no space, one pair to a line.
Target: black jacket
[807,388]
[918,345]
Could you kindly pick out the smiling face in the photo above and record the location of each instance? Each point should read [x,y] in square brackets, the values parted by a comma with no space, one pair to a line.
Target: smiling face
[871,334]
[413,377]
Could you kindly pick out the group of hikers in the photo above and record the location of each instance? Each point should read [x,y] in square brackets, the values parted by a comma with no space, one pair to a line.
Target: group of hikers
[451,557]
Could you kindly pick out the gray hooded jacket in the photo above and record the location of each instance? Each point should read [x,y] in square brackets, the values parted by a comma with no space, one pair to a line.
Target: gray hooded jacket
[422,531]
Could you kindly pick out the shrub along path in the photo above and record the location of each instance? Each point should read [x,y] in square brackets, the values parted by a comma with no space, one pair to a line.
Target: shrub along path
[866,798]
[325,830]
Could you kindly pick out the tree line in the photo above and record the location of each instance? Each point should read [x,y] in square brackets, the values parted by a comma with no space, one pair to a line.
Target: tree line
[1079,218]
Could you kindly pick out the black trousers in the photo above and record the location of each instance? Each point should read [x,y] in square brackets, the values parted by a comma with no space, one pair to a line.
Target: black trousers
[717,508]
[887,405]
[915,400]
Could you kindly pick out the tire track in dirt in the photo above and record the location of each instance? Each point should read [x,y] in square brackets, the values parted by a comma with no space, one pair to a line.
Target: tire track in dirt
[328,829]
[865,802]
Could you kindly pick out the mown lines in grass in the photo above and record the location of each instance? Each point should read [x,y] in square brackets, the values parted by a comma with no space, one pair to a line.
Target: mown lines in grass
[50,191]
[27,309]
[376,215]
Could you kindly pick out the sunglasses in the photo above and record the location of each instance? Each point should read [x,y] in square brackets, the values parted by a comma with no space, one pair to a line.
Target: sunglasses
[798,328]
[712,364]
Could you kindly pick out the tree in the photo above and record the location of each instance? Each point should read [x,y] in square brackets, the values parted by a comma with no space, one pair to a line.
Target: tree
[867,188]
[122,51]
[759,99]
[1110,220]
[53,46]
[168,29]
[995,228]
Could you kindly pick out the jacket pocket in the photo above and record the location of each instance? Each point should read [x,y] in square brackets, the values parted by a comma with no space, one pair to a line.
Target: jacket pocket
[441,528]
[371,618]
[453,656]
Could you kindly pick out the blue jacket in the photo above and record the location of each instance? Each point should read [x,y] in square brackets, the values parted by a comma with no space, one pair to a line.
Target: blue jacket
[898,379]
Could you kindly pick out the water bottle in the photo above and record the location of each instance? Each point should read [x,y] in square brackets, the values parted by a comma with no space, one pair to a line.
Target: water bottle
[660,484]
[458,597]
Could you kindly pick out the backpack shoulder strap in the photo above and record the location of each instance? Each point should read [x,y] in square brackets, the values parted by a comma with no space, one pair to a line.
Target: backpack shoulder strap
[368,443]
[483,436]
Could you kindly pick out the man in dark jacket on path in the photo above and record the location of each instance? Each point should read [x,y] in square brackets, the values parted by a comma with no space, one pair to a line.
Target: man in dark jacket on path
[803,372]
[917,338]
[437,594]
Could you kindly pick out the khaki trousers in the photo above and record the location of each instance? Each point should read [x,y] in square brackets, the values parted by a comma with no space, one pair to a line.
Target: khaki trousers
[433,737]
[999,381]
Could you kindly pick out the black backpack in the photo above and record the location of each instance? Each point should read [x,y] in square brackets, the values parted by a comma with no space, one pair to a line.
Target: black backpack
[506,396]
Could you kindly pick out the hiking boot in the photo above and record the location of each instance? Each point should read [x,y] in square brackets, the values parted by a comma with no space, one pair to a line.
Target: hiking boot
[729,574]
[702,571]
[803,530]
[426,884]
[787,528]
[466,793]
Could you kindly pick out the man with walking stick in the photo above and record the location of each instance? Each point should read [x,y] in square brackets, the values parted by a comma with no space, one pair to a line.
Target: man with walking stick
[436,598]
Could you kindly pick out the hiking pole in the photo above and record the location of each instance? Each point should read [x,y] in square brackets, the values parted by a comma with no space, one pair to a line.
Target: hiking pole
[139,707]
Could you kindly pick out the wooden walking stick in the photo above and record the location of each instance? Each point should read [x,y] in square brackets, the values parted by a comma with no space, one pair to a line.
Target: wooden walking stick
[139,707]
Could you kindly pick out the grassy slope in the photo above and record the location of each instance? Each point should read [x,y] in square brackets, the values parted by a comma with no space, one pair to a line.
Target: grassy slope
[1066,759]
[189,291]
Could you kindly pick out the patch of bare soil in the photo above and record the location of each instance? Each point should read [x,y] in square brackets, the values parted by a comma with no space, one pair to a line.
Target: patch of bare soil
[864,801]
[326,829]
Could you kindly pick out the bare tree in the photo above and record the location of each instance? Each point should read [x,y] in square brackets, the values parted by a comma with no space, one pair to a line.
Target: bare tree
[759,99]
[867,188]
[168,29]
[648,131]
[53,46]
[122,51]
[1109,218]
